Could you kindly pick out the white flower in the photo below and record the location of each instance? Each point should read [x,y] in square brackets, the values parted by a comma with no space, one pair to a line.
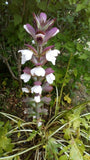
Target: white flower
[34,117]
[25,90]
[33,42]
[50,78]
[26,55]
[51,55]
[88,43]
[6,2]
[39,124]
[36,89]
[37,99]
[38,71]
[25,77]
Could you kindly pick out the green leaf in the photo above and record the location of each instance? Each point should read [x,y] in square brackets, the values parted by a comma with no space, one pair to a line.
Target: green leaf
[1,123]
[67,133]
[64,157]
[79,47]
[70,18]
[21,33]
[84,122]
[86,157]
[52,149]
[75,153]
[76,123]
[19,123]
[75,72]
[58,76]
[5,142]
[64,149]
[83,56]
[88,116]
[67,98]
[72,1]
[32,135]
[70,47]
[17,19]
[42,5]
[80,7]
[87,78]
[38,1]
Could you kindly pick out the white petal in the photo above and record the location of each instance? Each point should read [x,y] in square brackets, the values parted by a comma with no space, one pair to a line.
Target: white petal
[37,99]
[25,77]
[40,35]
[55,52]
[38,71]
[50,78]
[26,55]
[36,89]
[25,90]
[23,59]
[25,27]
[50,58]
[51,55]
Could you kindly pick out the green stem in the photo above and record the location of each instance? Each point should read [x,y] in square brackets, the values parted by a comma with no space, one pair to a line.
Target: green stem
[37,113]
[39,49]
[59,100]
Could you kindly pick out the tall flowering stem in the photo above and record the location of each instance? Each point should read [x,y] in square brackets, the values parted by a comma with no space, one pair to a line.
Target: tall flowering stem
[39,56]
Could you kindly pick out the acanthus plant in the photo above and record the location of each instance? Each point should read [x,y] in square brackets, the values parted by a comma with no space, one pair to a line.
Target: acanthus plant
[43,78]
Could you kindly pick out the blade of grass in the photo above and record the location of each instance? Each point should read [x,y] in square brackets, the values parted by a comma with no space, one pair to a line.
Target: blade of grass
[20,153]
[12,117]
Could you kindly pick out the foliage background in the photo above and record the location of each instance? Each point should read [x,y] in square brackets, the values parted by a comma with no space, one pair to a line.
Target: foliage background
[73,20]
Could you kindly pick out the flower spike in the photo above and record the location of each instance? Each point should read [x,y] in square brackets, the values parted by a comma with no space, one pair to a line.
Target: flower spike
[43,77]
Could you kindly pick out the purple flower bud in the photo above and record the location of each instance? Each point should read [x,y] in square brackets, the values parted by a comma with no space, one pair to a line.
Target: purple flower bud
[49,70]
[47,88]
[51,33]
[42,17]
[49,24]
[47,48]
[36,20]
[30,30]
[26,70]
[37,83]
[46,100]
[38,64]
[41,21]
[42,32]
[31,48]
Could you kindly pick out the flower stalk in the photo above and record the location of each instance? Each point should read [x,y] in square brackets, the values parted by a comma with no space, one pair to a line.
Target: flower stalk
[59,101]
[43,78]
